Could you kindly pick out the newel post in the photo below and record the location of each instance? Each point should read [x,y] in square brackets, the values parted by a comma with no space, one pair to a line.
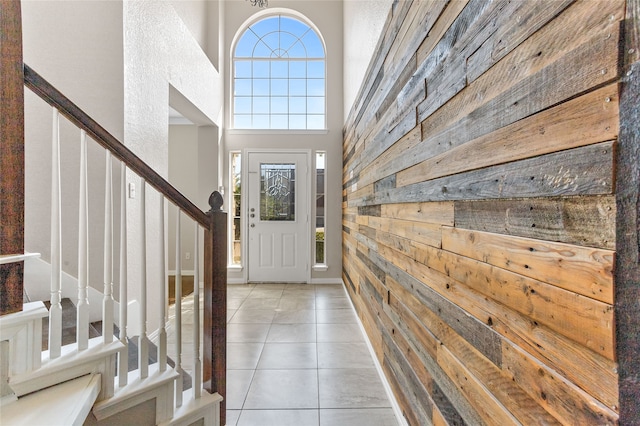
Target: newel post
[215,303]
[11,156]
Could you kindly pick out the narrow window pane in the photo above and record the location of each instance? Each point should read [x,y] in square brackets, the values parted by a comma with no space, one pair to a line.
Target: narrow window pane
[243,69]
[279,87]
[261,105]
[261,87]
[242,87]
[320,207]
[236,209]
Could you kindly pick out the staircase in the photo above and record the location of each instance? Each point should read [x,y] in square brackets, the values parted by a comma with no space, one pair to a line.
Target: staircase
[115,371]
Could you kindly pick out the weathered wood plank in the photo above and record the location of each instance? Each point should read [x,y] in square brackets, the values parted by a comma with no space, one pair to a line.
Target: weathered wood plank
[436,33]
[532,16]
[487,406]
[580,171]
[423,232]
[583,221]
[586,271]
[594,116]
[440,213]
[565,401]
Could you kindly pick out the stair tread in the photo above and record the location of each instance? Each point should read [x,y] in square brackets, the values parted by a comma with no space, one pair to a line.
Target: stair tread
[71,402]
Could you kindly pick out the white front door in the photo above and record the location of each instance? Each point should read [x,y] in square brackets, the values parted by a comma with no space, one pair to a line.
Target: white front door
[278,216]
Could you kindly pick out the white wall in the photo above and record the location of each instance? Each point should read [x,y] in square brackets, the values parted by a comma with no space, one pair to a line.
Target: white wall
[363,23]
[327,17]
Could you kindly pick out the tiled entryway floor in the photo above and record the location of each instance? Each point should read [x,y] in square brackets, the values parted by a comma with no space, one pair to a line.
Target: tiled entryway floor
[296,356]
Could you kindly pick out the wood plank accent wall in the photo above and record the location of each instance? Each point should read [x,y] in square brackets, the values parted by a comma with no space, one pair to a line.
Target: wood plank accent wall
[479,209]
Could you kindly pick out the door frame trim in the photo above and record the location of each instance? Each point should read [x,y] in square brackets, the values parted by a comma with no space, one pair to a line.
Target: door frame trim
[244,199]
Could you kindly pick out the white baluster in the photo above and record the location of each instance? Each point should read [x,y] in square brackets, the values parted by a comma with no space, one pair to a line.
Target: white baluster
[143,344]
[162,336]
[55,312]
[178,311]
[123,356]
[197,363]
[107,301]
[82,318]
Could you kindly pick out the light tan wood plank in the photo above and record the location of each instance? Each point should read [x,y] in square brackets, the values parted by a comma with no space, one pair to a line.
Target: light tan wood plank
[584,270]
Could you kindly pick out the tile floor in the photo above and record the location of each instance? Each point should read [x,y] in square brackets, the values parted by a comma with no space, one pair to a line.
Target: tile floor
[296,356]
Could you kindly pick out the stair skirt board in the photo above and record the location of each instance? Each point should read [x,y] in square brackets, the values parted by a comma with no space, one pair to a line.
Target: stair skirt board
[64,404]
[159,386]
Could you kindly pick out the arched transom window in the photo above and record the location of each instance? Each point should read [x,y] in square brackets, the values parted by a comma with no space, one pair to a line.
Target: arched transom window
[279,76]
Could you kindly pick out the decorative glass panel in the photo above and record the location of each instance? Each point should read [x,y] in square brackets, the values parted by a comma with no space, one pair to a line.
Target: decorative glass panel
[320,207]
[277,192]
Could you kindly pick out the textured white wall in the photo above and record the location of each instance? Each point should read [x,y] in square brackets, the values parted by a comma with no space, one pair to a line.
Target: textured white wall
[363,22]
[159,52]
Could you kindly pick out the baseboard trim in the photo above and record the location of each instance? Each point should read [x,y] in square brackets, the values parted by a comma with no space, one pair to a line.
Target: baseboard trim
[326,281]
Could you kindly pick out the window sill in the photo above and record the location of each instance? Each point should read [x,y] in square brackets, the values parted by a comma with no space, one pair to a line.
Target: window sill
[276,132]
[235,267]
[320,267]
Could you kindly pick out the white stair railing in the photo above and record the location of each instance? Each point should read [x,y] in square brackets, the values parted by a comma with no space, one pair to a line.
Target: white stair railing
[82,308]
[55,311]
[123,356]
[178,308]
[143,343]
[162,333]
[107,301]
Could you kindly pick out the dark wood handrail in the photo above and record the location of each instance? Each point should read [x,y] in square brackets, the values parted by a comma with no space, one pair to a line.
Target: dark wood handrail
[56,99]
